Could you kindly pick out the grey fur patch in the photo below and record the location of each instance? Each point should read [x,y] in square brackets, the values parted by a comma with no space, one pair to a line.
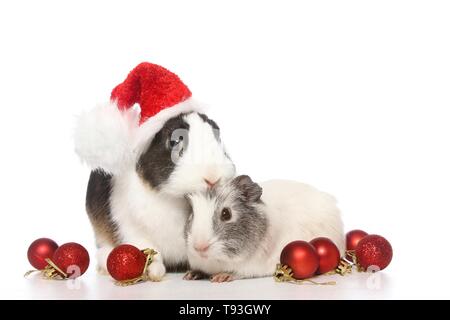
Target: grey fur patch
[211,122]
[180,267]
[245,233]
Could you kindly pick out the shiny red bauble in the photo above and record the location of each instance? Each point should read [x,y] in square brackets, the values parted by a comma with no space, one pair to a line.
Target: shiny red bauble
[351,240]
[72,258]
[126,262]
[301,257]
[40,250]
[353,237]
[373,250]
[328,252]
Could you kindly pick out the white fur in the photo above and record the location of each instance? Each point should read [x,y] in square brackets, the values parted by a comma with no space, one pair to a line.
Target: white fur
[103,137]
[295,211]
[149,218]
[111,139]
[201,231]
[203,159]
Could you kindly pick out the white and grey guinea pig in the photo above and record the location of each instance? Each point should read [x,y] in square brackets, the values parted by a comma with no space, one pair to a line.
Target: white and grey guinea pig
[238,229]
[144,205]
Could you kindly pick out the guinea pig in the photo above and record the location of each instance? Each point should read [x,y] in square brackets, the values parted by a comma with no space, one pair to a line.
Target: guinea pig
[144,205]
[238,228]
[148,146]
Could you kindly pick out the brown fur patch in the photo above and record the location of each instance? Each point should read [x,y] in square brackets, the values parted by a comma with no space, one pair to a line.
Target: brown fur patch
[98,208]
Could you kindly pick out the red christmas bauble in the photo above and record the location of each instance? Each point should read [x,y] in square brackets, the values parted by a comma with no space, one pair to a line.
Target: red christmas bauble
[301,257]
[353,237]
[126,262]
[39,250]
[373,250]
[328,252]
[72,258]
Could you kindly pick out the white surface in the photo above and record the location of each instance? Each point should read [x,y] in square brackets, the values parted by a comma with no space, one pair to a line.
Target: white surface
[174,287]
[350,96]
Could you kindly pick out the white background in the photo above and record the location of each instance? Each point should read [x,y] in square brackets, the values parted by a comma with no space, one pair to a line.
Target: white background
[350,96]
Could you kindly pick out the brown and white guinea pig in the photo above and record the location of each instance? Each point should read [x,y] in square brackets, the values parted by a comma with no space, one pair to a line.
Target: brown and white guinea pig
[144,205]
[238,229]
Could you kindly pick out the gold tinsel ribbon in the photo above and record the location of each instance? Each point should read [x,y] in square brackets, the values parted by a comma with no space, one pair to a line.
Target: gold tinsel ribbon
[346,264]
[284,274]
[150,253]
[51,271]
[354,260]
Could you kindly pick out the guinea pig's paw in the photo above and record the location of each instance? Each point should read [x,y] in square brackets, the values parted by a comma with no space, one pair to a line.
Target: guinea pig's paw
[195,275]
[222,277]
[156,271]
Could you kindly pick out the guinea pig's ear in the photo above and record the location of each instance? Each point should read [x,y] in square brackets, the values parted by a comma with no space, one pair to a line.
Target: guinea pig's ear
[249,190]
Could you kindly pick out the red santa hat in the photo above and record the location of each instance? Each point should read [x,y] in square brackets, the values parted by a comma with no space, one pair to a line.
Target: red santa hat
[112,136]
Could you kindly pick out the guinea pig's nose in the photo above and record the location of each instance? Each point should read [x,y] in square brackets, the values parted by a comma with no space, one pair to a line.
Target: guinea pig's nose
[201,247]
[211,182]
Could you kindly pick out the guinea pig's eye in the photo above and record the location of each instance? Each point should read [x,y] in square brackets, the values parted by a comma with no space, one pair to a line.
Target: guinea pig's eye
[225,215]
[175,142]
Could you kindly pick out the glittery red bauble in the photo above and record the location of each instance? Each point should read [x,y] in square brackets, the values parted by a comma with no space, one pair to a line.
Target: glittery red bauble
[126,262]
[40,250]
[328,252]
[373,250]
[301,257]
[72,258]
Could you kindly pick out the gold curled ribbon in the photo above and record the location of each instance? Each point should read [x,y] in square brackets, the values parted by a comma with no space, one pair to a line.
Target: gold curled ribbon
[52,271]
[344,267]
[346,264]
[30,272]
[354,260]
[149,253]
[284,274]
[351,254]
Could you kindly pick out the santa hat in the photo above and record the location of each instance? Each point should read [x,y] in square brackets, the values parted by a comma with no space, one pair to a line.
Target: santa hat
[112,136]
